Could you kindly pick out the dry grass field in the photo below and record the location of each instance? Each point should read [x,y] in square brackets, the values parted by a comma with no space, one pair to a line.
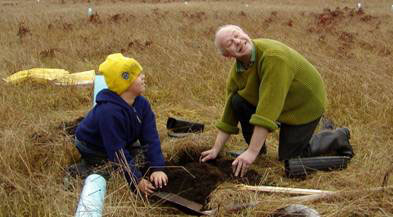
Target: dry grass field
[186,77]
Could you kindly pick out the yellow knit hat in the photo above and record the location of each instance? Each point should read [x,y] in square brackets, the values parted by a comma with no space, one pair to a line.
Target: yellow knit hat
[119,72]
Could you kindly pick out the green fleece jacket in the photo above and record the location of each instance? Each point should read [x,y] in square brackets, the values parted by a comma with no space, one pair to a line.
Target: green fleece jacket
[281,84]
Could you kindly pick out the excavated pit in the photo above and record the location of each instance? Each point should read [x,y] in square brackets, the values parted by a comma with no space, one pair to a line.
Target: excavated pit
[201,179]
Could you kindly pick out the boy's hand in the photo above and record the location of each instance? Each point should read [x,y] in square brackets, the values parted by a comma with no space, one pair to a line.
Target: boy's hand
[159,179]
[146,187]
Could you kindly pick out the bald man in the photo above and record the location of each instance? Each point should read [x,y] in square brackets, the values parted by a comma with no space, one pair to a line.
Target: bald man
[272,85]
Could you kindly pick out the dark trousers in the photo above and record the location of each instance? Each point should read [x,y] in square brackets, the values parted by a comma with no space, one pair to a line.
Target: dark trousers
[95,156]
[94,160]
[294,139]
[92,156]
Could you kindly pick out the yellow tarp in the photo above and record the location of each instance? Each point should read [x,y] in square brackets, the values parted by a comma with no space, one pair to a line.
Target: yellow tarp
[79,78]
[58,76]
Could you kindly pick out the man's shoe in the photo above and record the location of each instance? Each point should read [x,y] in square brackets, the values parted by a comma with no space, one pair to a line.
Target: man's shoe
[344,148]
[332,142]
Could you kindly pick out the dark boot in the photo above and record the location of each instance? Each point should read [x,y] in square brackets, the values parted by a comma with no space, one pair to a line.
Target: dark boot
[81,169]
[85,168]
[332,141]
[181,128]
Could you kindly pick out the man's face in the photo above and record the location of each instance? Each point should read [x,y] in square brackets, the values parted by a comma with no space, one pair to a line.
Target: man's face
[235,42]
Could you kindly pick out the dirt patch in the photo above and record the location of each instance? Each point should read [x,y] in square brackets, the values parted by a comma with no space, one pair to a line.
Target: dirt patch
[201,179]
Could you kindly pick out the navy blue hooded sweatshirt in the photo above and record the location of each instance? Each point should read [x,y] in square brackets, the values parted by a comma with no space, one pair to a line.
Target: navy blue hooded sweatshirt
[113,125]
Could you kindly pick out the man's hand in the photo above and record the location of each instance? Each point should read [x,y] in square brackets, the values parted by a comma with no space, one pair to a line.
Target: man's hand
[241,164]
[159,178]
[211,154]
[146,187]
[208,155]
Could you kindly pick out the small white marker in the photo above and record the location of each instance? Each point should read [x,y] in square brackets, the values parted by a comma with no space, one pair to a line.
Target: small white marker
[185,2]
[246,5]
[359,5]
[89,12]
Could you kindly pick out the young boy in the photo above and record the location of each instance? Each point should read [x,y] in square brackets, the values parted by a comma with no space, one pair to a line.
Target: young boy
[120,118]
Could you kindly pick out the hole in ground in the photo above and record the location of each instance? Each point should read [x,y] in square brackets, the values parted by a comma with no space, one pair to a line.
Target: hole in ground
[207,176]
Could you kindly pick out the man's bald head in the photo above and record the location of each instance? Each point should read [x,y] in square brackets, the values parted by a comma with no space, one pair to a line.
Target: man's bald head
[232,41]
[222,30]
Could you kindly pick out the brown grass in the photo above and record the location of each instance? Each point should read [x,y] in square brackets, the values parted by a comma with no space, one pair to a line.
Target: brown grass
[186,78]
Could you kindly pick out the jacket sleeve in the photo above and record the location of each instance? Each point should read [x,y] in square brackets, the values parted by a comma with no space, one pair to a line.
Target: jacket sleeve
[229,122]
[151,140]
[112,127]
[276,78]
